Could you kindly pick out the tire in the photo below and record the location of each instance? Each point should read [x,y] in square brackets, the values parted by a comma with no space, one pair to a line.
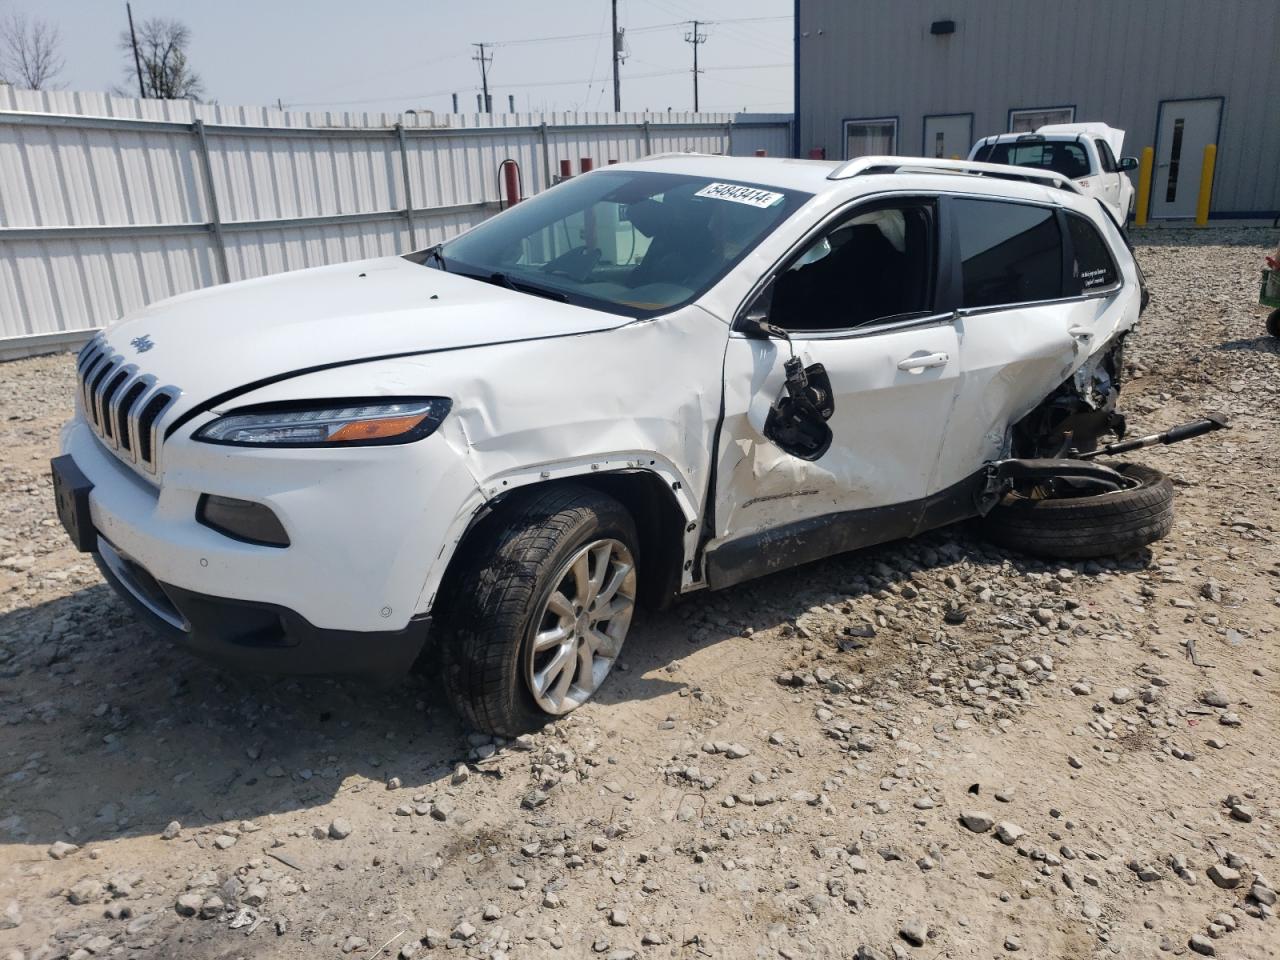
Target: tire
[1103,525]
[1273,323]
[511,585]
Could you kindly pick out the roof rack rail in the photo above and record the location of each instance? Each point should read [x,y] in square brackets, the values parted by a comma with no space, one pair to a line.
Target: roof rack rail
[866,166]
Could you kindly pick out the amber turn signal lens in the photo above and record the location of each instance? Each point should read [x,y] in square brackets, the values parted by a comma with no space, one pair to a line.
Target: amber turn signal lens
[376,429]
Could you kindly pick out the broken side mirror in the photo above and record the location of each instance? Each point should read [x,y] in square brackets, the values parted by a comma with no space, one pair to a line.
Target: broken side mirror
[797,421]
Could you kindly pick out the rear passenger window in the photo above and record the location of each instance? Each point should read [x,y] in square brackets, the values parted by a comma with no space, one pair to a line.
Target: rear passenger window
[1105,156]
[1009,252]
[1092,267]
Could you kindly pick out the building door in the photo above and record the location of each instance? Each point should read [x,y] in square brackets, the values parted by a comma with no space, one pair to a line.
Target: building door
[1186,128]
[948,135]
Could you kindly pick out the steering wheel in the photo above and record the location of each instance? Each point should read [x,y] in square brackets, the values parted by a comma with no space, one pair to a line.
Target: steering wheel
[577,264]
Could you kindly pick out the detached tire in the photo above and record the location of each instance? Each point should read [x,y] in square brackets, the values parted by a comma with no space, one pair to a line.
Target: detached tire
[534,616]
[1101,525]
[1273,323]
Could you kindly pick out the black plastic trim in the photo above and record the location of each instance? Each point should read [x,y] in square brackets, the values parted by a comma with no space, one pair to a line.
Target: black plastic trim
[268,638]
[816,538]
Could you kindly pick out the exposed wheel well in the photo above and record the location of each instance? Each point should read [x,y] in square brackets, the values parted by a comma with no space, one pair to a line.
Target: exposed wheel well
[660,525]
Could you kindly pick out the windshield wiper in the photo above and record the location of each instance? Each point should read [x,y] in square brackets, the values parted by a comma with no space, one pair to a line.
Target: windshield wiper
[521,286]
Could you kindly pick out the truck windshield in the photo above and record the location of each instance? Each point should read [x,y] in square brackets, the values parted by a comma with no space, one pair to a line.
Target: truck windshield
[636,243]
[1061,156]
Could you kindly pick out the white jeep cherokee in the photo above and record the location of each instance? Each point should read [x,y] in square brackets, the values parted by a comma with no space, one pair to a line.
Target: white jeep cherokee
[658,377]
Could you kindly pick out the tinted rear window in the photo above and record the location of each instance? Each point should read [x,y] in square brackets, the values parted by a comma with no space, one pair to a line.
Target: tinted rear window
[1009,252]
[1092,266]
[1061,156]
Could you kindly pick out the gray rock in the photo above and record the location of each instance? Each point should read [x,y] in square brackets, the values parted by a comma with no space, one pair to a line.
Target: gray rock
[442,808]
[1202,945]
[86,891]
[12,916]
[339,828]
[353,943]
[60,849]
[188,904]
[1214,697]
[618,917]
[463,931]
[979,821]
[915,931]
[1121,695]
[1008,833]
[171,831]
[1225,877]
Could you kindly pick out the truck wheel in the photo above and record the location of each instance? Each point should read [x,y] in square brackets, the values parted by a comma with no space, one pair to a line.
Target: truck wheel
[536,616]
[1273,323]
[1089,525]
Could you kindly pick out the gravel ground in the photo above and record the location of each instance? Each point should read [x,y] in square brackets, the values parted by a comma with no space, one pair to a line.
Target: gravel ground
[824,763]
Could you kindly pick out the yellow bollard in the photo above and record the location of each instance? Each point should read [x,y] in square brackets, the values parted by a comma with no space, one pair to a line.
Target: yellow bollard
[1145,166]
[1206,184]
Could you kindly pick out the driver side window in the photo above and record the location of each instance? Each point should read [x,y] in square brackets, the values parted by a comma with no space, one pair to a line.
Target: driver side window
[872,267]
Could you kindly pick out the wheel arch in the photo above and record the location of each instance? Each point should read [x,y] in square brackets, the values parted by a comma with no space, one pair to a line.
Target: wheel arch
[663,526]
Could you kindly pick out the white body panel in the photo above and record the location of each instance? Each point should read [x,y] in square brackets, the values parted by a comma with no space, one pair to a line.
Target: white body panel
[543,390]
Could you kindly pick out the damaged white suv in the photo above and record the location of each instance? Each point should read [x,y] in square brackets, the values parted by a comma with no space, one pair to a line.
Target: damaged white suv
[658,377]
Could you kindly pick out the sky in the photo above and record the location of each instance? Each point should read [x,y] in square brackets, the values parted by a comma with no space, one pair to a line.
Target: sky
[393,55]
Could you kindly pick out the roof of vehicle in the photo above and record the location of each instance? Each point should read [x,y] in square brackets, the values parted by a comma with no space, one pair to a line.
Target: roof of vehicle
[872,173]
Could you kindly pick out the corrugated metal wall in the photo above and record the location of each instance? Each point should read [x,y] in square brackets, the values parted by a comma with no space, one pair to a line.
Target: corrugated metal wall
[107,204]
[1114,60]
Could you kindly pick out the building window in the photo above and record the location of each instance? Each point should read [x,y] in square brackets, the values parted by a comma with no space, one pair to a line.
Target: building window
[870,138]
[1032,119]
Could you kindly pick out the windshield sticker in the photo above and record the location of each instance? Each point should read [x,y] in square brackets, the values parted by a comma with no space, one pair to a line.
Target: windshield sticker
[751,196]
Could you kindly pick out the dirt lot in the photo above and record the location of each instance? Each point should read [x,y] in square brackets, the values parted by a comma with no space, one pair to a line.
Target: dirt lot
[933,749]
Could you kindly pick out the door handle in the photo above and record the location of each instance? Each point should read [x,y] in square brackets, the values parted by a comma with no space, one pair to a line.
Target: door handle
[1083,334]
[924,362]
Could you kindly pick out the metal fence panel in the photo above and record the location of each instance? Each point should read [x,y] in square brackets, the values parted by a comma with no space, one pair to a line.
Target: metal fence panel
[108,203]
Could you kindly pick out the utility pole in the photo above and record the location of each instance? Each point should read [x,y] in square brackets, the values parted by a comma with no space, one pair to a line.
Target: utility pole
[696,39]
[484,75]
[137,59]
[617,58]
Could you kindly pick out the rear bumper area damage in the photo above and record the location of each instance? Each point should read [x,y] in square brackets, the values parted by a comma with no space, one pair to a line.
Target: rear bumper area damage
[248,635]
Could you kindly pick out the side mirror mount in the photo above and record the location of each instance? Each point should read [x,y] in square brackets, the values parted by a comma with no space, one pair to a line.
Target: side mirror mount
[1128,163]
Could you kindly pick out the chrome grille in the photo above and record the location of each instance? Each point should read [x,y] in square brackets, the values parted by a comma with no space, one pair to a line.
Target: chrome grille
[122,404]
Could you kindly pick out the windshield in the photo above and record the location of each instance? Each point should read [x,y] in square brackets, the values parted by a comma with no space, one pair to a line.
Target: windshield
[631,242]
[1061,156]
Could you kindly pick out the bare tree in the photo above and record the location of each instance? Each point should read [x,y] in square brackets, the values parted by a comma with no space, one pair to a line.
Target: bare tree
[162,59]
[29,52]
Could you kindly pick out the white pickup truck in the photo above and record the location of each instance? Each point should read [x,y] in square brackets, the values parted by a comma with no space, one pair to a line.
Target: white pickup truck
[1085,153]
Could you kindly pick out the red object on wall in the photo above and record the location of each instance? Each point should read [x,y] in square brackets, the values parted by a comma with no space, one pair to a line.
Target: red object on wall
[566,169]
[511,181]
[760,152]
[586,165]
[817,153]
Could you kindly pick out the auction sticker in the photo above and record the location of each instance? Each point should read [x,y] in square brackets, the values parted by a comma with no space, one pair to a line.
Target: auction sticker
[751,196]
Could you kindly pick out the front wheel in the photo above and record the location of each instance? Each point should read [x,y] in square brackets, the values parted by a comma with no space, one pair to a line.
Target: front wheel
[540,606]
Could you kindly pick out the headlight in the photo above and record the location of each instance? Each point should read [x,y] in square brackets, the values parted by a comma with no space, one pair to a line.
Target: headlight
[335,423]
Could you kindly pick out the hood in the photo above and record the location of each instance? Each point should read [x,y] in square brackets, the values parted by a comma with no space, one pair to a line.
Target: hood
[1114,137]
[218,339]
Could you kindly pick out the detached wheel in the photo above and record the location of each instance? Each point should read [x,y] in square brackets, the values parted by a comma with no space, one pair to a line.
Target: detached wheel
[539,609]
[1080,522]
[1273,323]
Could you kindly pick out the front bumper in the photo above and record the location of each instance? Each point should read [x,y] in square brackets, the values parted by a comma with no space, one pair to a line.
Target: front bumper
[255,636]
[369,528]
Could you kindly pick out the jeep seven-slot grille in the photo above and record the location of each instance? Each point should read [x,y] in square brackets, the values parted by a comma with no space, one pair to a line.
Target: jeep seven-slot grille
[121,404]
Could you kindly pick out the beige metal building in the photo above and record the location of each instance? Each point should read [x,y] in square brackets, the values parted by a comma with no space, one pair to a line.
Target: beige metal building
[928,77]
